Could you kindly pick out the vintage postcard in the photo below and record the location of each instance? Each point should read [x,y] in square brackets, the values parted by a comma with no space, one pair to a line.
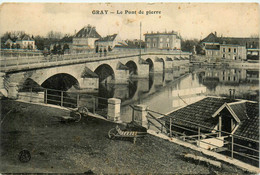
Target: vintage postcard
[129,88]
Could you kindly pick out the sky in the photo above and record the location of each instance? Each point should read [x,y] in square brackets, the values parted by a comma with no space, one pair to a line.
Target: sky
[191,20]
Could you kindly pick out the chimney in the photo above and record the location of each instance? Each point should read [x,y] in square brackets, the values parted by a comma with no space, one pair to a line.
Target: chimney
[215,33]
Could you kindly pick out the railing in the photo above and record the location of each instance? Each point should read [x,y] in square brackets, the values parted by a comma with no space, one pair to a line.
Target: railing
[231,145]
[65,99]
[18,63]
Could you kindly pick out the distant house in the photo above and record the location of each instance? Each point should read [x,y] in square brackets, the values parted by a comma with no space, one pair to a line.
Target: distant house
[163,40]
[84,40]
[23,41]
[230,47]
[26,42]
[9,43]
[107,43]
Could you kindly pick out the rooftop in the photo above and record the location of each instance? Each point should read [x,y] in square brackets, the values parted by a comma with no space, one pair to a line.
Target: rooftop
[108,38]
[250,128]
[88,32]
[200,112]
[204,111]
[248,42]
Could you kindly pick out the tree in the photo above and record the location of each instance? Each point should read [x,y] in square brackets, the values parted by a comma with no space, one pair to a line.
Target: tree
[54,50]
[59,50]
[66,48]
[54,35]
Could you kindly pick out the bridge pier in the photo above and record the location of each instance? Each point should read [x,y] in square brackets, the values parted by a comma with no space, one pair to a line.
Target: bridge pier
[121,77]
[168,65]
[13,91]
[88,83]
[143,70]
[158,66]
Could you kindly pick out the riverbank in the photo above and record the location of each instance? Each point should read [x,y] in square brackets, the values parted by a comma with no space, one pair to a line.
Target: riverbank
[79,147]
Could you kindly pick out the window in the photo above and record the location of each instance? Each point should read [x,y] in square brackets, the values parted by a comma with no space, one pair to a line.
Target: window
[229,50]
[149,39]
[168,39]
[153,44]
[235,50]
[167,45]
[161,39]
[224,56]
[224,49]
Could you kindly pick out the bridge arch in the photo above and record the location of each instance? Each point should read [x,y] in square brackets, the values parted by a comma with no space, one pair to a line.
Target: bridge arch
[162,60]
[151,64]
[132,66]
[105,73]
[60,81]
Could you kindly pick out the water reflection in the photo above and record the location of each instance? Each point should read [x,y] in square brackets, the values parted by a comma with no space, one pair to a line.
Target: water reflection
[160,89]
[219,81]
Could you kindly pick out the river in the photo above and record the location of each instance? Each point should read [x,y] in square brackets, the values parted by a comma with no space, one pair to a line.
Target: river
[164,92]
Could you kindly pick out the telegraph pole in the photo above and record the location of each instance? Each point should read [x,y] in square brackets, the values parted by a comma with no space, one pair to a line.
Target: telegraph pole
[140,38]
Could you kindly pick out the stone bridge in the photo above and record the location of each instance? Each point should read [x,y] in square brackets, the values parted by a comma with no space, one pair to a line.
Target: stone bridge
[87,73]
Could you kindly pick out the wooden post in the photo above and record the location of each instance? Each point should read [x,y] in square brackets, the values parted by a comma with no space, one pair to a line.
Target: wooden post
[232,146]
[61,100]
[220,125]
[46,91]
[170,127]
[199,136]
[94,105]
[77,100]
[31,94]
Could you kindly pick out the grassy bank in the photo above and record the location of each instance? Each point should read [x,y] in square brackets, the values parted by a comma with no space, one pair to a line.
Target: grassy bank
[83,146]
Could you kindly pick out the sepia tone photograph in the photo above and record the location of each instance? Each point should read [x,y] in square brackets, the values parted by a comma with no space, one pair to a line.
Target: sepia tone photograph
[129,88]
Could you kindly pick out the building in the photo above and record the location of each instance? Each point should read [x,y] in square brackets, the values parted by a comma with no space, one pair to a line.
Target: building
[233,52]
[163,40]
[84,40]
[23,41]
[216,120]
[107,43]
[230,48]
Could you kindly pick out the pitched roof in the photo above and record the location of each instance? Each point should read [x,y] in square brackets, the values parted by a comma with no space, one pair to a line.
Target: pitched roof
[88,32]
[250,128]
[211,38]
[239,109]
[108,38]
[199,112]
[26,37]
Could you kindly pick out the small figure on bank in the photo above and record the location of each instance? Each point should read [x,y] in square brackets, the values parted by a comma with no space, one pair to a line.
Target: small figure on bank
[100,51]
[105,52]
